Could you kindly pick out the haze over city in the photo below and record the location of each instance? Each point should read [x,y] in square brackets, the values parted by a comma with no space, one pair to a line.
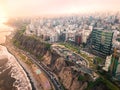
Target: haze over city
[59,45]
[55,7]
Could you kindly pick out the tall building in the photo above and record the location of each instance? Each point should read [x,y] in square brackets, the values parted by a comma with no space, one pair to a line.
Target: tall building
[85,34]
[78,39]
[114,68]
[101,41]
[107,63]
[62,37]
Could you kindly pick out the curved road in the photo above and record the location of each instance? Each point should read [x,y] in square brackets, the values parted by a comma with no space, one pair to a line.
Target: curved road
[55,82]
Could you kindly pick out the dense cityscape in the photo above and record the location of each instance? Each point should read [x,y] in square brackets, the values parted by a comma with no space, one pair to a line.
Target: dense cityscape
[89,43]
[98,35]
[59,45]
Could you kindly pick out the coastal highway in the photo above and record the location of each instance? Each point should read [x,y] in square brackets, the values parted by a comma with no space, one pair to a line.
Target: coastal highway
[57,85]
[53,79]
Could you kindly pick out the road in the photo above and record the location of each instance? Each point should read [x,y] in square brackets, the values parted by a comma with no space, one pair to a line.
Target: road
[69,55]
[55,82]
[79,62]
[45,69]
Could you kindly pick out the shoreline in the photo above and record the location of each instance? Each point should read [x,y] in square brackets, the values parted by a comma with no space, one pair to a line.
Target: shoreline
[33,76]
[25,71]
[16,70]
[36,81]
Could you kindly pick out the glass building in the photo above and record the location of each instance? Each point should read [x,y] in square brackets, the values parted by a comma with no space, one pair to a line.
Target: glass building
[101,41]
[114,68]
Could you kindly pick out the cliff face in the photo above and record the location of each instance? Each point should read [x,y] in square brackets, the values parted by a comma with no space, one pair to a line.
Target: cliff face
[57,64]
[71,79]
[67,76]
[47,58]
[31,44]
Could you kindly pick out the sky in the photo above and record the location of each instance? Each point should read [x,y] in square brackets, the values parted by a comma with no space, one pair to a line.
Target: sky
[55,7]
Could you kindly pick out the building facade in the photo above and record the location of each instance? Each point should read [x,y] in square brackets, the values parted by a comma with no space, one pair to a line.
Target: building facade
[101,41]
[78,39]
[114,68]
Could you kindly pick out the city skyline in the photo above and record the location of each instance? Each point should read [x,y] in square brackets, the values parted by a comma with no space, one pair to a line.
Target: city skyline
[59,45]
[55,7]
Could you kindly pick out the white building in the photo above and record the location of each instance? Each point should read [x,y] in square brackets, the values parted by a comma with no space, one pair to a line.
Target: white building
[107,63]
[30,30]
[85,35]
[53,37]
[70,35]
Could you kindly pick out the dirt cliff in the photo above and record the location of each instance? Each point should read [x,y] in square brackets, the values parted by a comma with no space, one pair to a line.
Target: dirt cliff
[67,76]
[31,44]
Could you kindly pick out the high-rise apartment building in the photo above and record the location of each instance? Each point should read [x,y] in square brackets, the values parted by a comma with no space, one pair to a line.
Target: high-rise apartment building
[101,41]
[114,68]
[78,39]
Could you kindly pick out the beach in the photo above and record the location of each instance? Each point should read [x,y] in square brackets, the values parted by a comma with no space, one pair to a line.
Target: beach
[12,75]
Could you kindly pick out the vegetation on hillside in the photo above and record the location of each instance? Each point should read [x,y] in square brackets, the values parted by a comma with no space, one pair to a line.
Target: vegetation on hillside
[30,44]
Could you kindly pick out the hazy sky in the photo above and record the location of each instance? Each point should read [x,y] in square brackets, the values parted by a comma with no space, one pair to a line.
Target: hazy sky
[49,7]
